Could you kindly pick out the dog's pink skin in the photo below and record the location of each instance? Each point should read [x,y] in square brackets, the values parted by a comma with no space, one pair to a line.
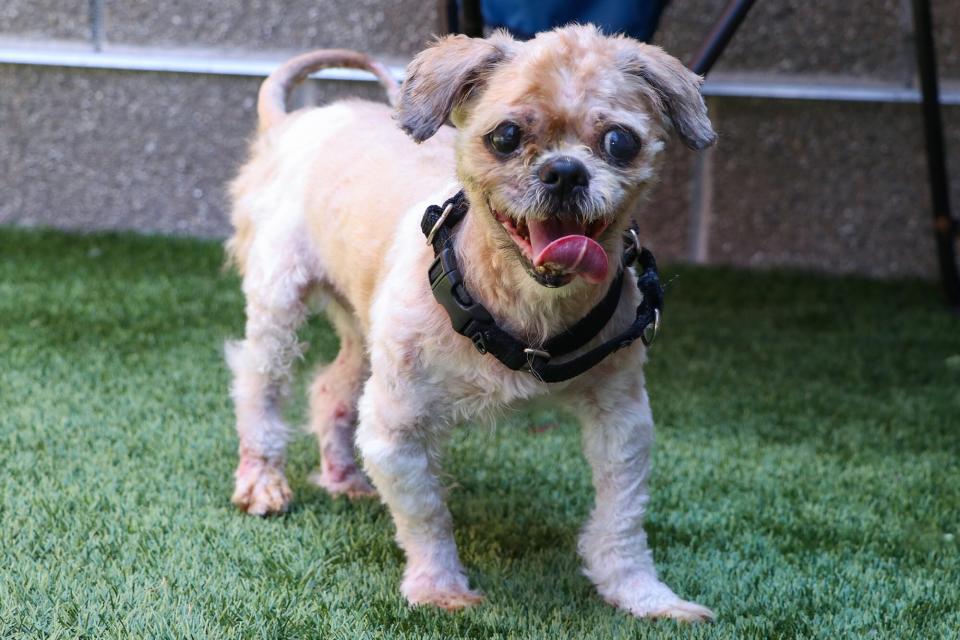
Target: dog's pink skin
[337,472]
[341,412]
[333,413]
[325,210]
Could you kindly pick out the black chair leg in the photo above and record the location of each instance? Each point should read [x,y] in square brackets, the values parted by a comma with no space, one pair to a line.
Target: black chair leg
[727,25]
[461,17]
[471,19]
[944,226]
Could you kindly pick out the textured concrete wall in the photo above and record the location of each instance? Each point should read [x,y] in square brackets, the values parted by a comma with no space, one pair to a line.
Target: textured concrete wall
[664,218]
[839,186]
[396,27]
[826,185]
[61,19]
[803,187]
[947,34]
[866,38]
[796,36]
[121,150]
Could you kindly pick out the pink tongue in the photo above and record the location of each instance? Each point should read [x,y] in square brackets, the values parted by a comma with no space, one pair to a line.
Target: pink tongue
[562,245]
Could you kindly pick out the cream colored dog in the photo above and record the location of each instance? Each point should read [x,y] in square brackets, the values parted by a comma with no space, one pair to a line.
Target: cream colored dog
[555,139]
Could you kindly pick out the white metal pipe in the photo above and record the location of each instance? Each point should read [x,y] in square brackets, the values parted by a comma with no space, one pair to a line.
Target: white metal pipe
[218,64]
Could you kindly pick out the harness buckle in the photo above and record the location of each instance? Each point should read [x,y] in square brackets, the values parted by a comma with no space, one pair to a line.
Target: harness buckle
[651,330]
[439,223]
[478,342]
[467,317]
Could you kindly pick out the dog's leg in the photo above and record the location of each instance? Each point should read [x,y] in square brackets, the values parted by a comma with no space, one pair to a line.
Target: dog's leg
[261,366]
[617,435]
[400,457]
[333,412]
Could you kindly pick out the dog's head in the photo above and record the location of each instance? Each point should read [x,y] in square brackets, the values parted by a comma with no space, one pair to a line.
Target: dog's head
[557,135]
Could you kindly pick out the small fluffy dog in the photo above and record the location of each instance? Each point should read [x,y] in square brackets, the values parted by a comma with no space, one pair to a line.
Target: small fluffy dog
[553,140]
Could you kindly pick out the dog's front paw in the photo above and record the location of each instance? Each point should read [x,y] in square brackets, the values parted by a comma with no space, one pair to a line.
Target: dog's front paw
[646,598]
[261,488]
[349,482]
[680,610]
[448,591]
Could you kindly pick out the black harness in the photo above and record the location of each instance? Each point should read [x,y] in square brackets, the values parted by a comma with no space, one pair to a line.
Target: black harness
[469,318]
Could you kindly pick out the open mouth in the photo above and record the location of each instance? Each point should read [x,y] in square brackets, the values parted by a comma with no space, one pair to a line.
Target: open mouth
[559,249]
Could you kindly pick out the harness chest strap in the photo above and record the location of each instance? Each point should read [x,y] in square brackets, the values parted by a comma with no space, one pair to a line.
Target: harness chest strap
[471,319]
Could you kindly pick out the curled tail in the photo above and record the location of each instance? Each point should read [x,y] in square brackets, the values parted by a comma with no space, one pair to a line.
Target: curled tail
[271,104]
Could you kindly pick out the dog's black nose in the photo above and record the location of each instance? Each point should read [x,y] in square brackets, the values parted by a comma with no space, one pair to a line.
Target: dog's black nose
[563,176]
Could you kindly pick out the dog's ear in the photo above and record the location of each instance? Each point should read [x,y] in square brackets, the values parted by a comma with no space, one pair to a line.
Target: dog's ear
[443,77]
[677,89]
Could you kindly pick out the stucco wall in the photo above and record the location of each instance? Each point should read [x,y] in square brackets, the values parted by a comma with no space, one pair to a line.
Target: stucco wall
[834,185]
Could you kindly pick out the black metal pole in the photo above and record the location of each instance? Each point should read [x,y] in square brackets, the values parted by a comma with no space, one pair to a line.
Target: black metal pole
[471,18]
[730,20]
[449,16]
[944,226]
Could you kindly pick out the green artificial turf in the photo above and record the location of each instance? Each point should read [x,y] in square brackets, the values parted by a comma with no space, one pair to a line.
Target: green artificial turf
[806,479]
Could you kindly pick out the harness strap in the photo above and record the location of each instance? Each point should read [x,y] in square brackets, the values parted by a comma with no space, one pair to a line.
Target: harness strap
[471,319]
[437,227]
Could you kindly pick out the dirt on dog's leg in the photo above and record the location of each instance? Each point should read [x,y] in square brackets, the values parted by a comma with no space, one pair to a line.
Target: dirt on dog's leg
[616,441]
[333,412]
[399,458]
[261,366]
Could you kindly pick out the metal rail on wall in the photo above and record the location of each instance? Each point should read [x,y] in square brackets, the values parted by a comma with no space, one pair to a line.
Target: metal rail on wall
[945,226]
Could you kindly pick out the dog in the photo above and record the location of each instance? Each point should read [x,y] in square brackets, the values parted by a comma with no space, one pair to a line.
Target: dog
[552,141]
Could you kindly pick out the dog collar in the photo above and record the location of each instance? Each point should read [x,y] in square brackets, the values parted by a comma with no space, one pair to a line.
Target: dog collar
[472,320]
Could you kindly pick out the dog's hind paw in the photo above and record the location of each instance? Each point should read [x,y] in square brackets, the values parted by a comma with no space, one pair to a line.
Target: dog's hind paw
[353,484]
[261,489]
[682,611]
[646,598]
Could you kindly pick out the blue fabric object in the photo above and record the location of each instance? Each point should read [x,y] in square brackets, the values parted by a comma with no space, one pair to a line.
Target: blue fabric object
[524,19]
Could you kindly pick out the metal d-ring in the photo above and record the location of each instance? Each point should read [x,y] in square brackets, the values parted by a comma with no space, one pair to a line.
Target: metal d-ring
[537,352]
[439,223]
[651,330]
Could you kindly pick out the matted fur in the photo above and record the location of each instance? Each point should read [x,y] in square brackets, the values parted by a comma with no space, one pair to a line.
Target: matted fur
[327,211]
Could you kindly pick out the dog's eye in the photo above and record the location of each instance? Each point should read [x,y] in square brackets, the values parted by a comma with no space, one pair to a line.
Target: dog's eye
[505,138]
[620,145]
